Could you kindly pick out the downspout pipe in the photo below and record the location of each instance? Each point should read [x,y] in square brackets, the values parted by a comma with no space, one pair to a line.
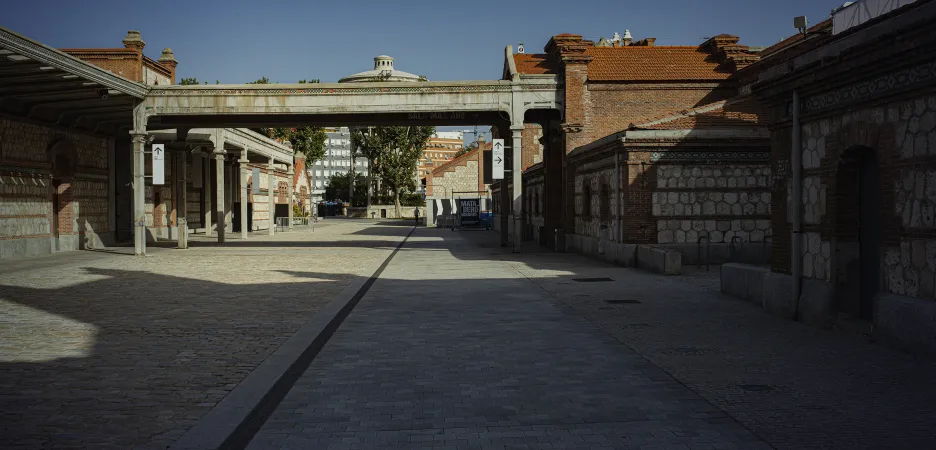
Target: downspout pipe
[796,161]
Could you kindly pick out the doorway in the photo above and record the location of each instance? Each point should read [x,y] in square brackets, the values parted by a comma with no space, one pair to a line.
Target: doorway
[858,233]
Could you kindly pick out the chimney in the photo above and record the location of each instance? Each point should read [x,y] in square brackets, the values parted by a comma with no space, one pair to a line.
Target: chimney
[134,41]
[520,48]
[616,39]
[627,37]
[650,42]
[168,60]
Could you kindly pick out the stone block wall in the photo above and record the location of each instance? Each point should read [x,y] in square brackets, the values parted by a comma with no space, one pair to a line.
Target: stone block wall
[458,176]
[721,201]
[28,190]
[902,137]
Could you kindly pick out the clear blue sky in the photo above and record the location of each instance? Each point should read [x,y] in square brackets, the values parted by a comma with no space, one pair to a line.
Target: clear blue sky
[285,40]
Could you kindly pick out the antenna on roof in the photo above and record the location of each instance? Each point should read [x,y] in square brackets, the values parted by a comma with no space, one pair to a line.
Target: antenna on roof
[800,23]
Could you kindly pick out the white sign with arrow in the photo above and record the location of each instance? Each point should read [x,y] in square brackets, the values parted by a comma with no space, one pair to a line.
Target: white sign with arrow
[159,160]
[497,159]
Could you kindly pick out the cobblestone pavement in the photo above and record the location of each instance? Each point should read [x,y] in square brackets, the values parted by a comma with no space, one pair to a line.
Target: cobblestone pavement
[795,386]
[452,348]
[103,350]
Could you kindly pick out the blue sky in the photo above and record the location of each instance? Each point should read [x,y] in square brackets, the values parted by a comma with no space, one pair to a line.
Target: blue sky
[235,41]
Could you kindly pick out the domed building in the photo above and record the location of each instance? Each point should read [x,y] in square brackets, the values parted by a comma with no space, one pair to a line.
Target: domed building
[383,71]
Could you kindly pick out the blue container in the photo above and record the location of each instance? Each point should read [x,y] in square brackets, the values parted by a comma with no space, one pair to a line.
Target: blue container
[487,219]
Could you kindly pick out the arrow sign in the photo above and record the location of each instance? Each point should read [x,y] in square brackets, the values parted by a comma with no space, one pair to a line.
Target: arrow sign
[159,161]
[497,158]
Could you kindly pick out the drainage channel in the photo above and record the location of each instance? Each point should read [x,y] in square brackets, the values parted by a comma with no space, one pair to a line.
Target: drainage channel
[247,429]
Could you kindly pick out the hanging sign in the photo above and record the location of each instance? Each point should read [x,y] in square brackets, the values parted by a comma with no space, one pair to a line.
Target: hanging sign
[159,161]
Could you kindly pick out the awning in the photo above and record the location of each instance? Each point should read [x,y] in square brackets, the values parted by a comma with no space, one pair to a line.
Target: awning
[40,83]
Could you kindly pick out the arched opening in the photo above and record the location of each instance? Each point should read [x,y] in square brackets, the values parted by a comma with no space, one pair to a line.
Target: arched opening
[857,261]
[64,165]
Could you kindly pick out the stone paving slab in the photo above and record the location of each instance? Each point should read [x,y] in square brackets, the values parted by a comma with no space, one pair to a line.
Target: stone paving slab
[102,350]
[796,386]
[452,348]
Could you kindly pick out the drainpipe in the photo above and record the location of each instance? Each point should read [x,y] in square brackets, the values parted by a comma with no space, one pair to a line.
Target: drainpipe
[617,195]
[796,161]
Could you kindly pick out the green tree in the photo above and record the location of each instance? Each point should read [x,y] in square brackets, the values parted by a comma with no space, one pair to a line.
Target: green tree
[307,141]
[394,154]
[338,188]
[189,81]
[467,149]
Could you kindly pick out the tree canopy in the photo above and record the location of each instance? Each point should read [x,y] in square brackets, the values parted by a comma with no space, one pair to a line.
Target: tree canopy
[394,154]
[308,141]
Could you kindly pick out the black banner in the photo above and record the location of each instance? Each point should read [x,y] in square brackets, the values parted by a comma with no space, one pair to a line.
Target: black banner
[470,211]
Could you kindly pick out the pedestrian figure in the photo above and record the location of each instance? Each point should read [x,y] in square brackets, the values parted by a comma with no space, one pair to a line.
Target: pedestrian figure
[416,213]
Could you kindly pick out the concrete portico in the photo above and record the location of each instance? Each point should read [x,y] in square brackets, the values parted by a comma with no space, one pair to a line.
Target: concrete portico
[223,158]
[504,102]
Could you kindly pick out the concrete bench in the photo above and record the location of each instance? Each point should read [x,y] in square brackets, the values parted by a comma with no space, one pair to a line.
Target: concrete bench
[659,260]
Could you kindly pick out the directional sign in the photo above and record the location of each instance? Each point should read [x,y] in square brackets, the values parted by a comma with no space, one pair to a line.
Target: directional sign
[497,160]
[159,161]
[255,174]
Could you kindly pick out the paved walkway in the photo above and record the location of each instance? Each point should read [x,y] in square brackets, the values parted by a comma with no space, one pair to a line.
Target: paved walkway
[104,350]
[454,348]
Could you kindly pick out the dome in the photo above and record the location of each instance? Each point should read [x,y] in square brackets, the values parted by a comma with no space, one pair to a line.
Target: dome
[383,71]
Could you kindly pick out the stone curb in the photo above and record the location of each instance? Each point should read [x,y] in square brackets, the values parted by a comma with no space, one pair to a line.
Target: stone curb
[233,422]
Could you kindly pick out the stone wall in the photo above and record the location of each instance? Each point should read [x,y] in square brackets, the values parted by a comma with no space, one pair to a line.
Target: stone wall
[721,201]
[29,173]
[457,176]
[902,136]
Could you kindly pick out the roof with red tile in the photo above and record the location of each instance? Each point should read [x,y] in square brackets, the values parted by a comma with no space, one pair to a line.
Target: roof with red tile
[652,63]
[533,64]
[723,114]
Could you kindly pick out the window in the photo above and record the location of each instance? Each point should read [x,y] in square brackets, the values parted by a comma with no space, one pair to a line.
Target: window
[318,173]
[536,202]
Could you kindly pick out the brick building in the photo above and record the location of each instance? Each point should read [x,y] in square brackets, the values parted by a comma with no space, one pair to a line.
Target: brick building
[599,169]
[464,176]
[853,153]
[440,149]
[66,156]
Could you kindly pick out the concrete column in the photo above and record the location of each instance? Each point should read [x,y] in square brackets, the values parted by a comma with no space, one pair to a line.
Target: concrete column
[517,176]
[139,193]
[206,193]
[182,198]
[219,186]
[271,192]
[244,192]
[289,195]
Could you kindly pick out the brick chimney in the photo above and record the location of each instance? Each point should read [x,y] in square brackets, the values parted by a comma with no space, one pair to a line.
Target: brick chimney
[134,41]
[167,60]
[627,38]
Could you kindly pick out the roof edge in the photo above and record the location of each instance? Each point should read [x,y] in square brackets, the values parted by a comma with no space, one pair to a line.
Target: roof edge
[63,61]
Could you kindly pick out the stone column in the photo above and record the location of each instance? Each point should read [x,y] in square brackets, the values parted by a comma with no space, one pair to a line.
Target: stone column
[219,187]
[271,192]
[182,198]
[206,192]
[139,193]
[244,193]
[289,193]
[516,195]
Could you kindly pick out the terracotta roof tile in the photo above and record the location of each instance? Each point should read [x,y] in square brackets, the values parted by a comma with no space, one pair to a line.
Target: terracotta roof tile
[533,64]
[723,114]
[641,63]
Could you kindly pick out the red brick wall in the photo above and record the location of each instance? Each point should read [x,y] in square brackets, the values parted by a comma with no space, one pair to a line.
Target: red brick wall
[611,108]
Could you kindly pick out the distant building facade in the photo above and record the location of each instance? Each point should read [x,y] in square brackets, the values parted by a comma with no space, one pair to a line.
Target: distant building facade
[337,160]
